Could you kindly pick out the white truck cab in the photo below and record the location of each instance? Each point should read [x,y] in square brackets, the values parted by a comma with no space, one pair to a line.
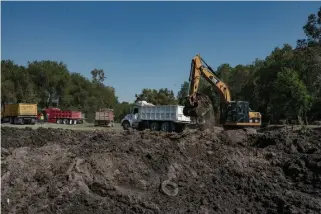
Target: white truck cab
[145,115]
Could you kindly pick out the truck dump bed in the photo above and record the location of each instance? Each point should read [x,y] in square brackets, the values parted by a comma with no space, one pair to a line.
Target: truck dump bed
[104,114]
[20,109]
[163,112]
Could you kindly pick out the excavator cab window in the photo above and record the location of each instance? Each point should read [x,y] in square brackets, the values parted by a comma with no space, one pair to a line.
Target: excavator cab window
[237,112]
[230,113]
[242,112]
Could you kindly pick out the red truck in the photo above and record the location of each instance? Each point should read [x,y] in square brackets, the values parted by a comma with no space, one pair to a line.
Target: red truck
[55,115]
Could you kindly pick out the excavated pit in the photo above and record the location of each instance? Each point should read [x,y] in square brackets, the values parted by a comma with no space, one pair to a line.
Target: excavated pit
[66,171]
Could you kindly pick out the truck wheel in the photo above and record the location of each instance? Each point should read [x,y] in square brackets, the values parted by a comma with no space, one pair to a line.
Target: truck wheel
[169,188]
[75,122]
[154,126]
[59,121]
[65,121]
[17,121]
[33,121]
[166,127]
[125,125]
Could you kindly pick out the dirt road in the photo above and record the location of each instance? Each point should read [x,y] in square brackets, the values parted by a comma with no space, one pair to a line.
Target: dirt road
[69,171]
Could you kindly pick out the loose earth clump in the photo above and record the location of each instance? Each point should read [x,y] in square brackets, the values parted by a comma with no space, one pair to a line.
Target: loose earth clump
[66,171]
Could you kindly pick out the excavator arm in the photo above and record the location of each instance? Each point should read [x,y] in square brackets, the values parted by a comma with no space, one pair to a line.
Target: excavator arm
[198,70]
[197,104]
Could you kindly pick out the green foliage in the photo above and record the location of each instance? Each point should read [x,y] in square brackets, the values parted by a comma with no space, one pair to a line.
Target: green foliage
[183,93]
[121,110]
[163,96]
[289,85]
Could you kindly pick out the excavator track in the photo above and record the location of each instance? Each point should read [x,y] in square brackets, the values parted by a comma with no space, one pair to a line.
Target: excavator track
[199,107]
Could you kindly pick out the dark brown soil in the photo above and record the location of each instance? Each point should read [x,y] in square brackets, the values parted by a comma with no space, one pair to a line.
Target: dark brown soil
[65,171]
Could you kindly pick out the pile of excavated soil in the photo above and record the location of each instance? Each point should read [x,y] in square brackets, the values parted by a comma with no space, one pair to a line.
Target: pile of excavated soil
[66,171]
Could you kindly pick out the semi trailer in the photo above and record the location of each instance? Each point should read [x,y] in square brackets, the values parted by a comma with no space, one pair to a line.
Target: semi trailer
[166,118]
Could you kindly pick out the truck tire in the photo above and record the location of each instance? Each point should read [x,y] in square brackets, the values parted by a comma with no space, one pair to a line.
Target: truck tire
[125,125]
[166,127]
[65,121]
[59,121]
[33,121]
[154,126]
[172,191]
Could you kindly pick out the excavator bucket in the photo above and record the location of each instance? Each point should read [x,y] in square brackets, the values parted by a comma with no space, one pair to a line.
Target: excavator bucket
[199,107]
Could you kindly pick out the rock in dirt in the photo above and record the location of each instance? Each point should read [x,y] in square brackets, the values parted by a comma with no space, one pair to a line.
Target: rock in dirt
[66,171]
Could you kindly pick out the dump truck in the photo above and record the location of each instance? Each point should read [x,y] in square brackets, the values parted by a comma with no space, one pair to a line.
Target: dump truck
[104,117]
[166,118]
[56,115]
[19,113]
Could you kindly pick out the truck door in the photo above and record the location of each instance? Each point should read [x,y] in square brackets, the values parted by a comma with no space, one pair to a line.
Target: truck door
[135,114]
[135,117]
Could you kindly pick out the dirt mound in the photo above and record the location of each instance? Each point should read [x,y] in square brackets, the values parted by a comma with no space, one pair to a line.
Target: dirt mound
[66,171]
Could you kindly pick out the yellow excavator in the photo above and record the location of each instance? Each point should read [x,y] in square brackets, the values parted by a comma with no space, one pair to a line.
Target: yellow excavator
[233,114]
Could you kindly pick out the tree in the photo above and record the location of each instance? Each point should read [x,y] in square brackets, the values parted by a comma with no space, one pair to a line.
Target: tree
[16,84]
[51,80]
[121,110]
[291,97]
[183,92]
[98,75]
[163,96]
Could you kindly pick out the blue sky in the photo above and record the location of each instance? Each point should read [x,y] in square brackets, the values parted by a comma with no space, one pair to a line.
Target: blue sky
[147,44]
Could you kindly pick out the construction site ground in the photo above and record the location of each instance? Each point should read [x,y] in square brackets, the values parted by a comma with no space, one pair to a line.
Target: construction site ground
[55,170]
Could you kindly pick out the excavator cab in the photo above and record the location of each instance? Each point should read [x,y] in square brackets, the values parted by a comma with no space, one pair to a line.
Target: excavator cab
[237,112]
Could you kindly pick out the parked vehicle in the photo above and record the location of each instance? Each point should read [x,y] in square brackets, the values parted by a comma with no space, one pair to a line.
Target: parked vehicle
[19,113]
[165,118]
[104,117]
[55,115]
